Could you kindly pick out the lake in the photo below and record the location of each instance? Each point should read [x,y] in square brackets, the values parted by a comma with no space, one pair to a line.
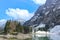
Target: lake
[55,36]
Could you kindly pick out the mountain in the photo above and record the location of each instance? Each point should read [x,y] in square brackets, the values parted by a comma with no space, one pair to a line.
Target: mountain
[2,24]
[47,14]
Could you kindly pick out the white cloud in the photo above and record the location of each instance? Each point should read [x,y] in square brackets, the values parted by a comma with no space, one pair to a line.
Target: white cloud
[19,13]
[39,1]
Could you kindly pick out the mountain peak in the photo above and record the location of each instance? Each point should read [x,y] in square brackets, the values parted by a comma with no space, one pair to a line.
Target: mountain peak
[48,14]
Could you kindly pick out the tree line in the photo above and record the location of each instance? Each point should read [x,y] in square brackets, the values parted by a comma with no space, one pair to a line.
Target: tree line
[15,27]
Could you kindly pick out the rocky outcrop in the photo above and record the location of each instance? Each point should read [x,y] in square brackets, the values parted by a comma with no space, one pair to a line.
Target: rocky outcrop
[48,14]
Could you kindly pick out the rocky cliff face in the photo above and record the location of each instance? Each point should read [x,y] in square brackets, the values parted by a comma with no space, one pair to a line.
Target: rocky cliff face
[48,14]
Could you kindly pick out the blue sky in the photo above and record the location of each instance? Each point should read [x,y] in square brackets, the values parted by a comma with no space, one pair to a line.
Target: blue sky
[18,9]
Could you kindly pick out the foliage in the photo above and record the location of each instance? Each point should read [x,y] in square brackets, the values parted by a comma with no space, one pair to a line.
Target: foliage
[15,27]
[6,27]
[10,26]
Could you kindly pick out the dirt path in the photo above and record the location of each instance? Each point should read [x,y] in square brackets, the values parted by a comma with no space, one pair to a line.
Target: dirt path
[19,36]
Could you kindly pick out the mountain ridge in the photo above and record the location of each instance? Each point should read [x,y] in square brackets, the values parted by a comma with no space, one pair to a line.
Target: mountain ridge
[48,14]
